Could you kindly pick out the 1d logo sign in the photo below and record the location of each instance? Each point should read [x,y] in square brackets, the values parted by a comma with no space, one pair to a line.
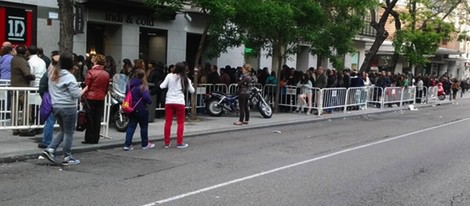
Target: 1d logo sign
[16,29]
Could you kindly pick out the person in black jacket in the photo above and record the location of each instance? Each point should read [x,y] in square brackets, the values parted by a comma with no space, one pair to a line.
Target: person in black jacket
[44,87]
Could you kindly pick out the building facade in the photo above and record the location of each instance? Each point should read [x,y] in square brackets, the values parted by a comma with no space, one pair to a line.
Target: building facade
[127,29]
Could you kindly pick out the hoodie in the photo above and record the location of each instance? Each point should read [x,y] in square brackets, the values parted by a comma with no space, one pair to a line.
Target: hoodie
[135,87]
[65,92]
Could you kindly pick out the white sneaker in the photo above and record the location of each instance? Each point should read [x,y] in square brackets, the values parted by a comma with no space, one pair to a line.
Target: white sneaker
[149,146]
[182,146]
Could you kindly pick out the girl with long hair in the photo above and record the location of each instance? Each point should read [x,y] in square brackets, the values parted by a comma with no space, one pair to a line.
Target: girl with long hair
[178,85]
[140,98]
[65,92]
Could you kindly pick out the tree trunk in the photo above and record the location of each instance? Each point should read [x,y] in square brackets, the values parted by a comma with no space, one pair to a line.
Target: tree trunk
[381,35]
[277,61]
[66,25]
[394,61]
[200,48]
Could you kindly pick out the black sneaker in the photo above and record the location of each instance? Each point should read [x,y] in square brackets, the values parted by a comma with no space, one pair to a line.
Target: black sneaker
[42,146]
[70,161]
[49,156]
[29,133]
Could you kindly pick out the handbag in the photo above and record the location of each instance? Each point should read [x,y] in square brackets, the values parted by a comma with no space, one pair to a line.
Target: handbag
[45,109]
[82,118]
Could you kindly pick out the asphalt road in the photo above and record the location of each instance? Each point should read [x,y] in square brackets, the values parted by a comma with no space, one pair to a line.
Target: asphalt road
[403,158]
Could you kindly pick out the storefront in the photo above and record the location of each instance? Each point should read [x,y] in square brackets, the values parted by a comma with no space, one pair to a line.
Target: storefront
[17,23]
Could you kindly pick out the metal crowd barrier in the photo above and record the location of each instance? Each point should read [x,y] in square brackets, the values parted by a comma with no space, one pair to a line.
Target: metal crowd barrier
[24,110]
[356,97]
[332,98]
[409,95]
[288,97]
[431,95]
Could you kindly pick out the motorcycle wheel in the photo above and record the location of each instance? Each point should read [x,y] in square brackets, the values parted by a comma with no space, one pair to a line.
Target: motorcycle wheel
[212,107]
[264,109]
[441,97]
[120,121]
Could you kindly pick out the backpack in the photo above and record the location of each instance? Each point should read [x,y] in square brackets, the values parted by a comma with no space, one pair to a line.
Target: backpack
[126,105]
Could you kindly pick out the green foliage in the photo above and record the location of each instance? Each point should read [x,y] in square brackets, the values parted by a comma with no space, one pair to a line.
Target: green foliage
[324,24]
[329,26]
[424,30]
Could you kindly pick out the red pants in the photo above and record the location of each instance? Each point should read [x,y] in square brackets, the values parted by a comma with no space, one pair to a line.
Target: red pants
[171,109]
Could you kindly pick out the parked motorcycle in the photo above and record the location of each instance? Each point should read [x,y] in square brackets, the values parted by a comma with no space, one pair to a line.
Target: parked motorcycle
[118,92]
[218,102]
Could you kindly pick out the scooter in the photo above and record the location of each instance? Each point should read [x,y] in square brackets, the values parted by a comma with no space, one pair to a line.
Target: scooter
[118,93]
[441,94]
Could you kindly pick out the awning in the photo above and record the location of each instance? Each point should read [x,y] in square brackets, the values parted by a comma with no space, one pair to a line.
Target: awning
[443,50]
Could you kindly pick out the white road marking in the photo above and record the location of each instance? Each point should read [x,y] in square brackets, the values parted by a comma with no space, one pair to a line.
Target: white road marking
[170,199]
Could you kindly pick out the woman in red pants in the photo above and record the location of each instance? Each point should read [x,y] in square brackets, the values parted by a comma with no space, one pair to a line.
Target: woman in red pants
[178,85]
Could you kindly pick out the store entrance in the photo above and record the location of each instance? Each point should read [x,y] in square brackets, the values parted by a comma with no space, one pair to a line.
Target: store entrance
[153,45]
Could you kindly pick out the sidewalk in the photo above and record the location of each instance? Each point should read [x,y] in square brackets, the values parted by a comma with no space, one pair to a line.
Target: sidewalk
[17,148]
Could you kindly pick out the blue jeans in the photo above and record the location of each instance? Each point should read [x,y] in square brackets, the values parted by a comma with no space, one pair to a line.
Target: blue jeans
[67,118]
[48,130]
[140,116]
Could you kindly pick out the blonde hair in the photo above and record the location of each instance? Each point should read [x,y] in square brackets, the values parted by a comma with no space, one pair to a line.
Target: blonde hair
[99,59]
[247,67]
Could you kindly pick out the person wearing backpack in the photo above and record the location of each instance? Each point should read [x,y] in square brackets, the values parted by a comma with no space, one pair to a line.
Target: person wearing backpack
[138,87]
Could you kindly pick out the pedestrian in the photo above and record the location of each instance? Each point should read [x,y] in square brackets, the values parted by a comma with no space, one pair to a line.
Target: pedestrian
[97,80]
[20,77]
[65,92]
[178,85]
[140,98]
[305,97]
[6,54]
[244,95]
[44,87]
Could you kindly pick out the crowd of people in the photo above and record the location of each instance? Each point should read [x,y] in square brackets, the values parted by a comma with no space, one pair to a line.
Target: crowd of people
[59,75]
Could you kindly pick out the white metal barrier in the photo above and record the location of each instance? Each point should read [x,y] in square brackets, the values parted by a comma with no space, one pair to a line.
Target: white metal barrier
[431,95]
[269,93]
[332,98]
[288,97]
[356,97]
[25,102]
[392,95]
[375,96]
[408,95]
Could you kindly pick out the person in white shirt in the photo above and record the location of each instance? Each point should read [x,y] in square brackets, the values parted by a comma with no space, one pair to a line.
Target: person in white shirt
[178,85]
[36,65]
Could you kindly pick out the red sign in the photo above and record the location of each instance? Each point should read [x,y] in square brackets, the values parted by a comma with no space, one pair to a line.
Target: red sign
[16,25]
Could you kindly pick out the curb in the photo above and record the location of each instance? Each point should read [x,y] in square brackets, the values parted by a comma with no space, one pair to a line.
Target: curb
[34,153]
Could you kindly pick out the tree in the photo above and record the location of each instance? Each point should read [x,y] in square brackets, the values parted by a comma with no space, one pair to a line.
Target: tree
[381,34]
[280,26]
[425,28]
[66,25]
[217,13]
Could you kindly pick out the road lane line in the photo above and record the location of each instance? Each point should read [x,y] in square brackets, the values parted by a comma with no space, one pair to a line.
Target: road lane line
[298,164]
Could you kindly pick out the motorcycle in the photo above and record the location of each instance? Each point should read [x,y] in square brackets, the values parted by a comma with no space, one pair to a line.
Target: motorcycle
[118,93]
[218,102]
